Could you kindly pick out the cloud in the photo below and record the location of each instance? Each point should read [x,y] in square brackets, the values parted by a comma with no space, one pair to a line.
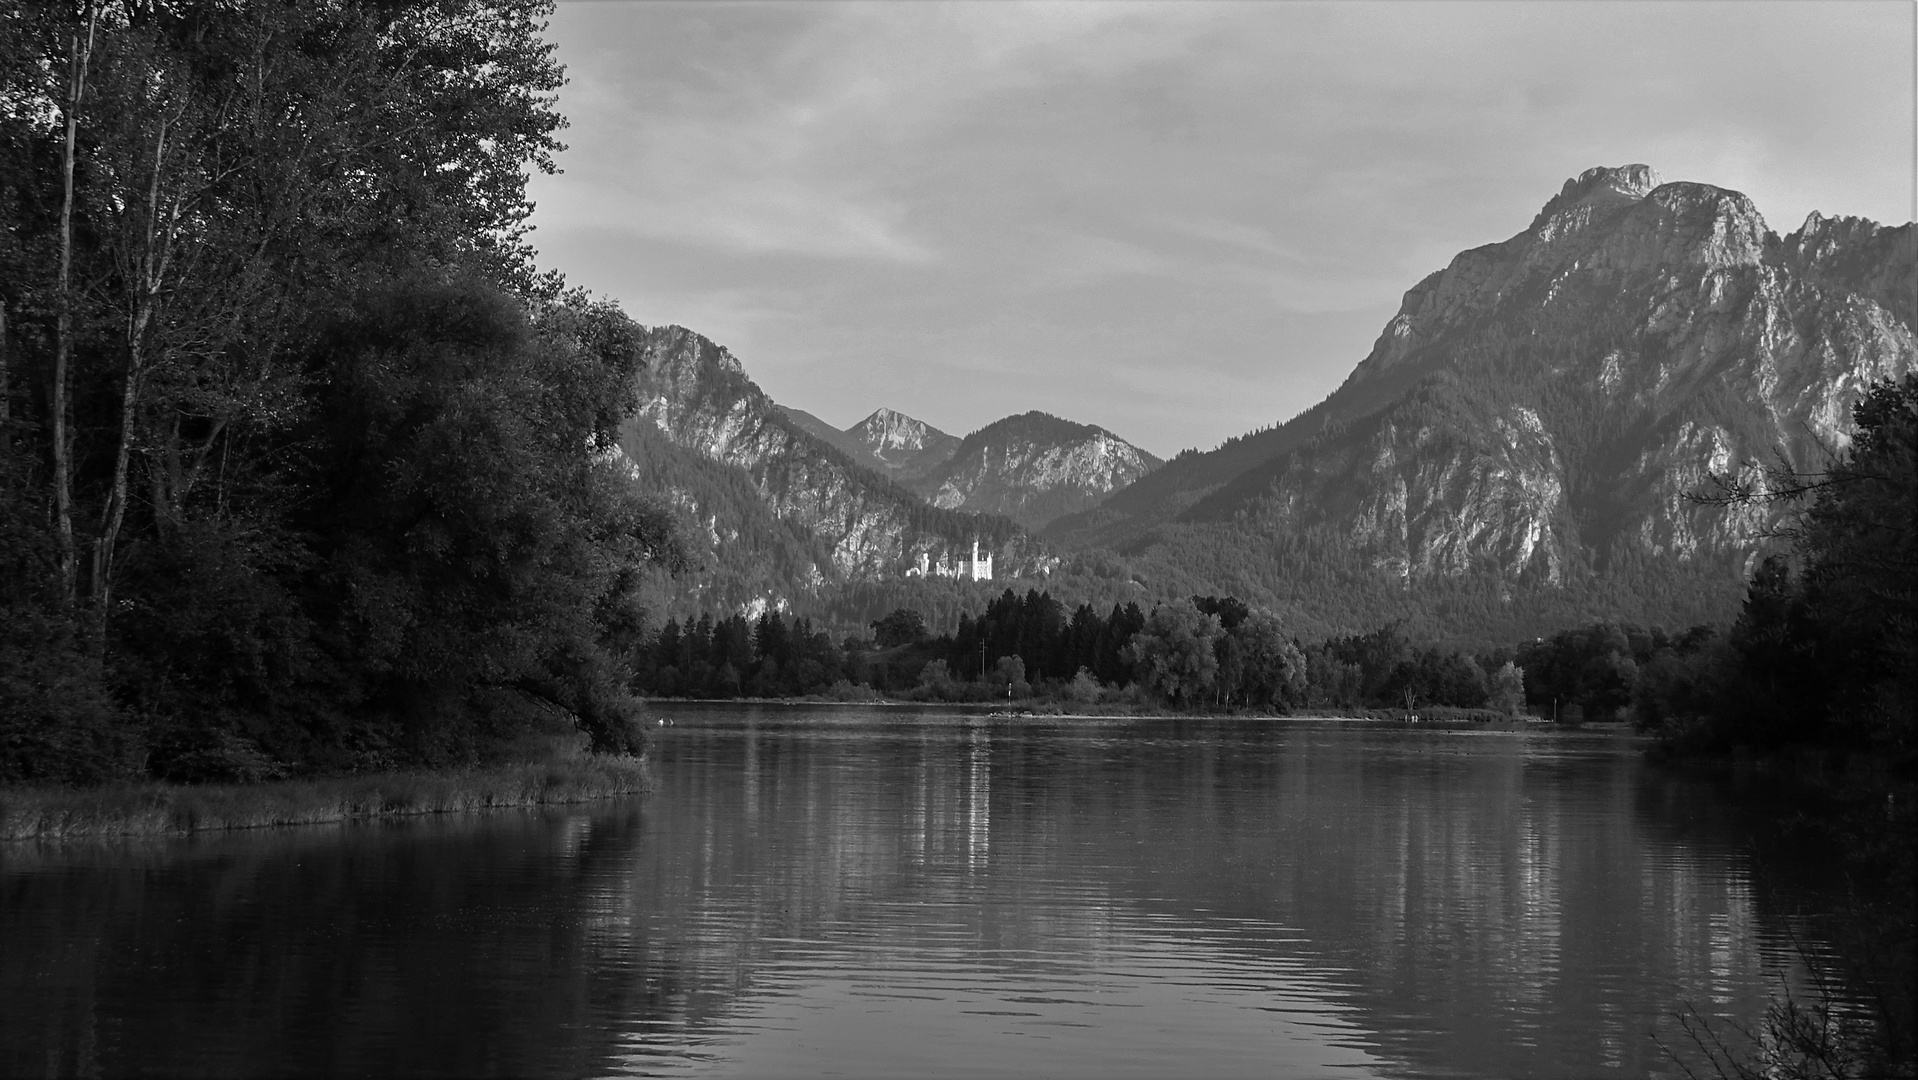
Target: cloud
[1049,194]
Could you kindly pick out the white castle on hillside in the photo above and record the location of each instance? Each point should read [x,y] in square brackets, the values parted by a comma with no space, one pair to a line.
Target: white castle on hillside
[977,568]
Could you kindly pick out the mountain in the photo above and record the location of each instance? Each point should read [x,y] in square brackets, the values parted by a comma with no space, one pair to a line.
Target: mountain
[1033,468]
[888,442]
[905,448]
[1538,410]
[775,511]
[833,437]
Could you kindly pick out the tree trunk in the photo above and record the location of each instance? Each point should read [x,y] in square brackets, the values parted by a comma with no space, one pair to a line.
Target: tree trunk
[6,387]
[151,274]
[63,321]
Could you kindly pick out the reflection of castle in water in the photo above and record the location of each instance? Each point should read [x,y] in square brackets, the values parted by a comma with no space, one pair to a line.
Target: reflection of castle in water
[979,797]
[1520,912]
[977,568]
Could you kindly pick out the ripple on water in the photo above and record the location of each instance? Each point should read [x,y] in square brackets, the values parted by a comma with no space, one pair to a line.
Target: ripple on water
[882,893]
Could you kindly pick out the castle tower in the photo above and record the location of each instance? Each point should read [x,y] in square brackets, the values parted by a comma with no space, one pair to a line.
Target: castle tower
[980,568]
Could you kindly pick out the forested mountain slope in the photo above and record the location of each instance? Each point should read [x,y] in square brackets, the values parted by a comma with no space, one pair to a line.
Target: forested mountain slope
[833,437]
[1034,467]
[1538,409]
[771,509]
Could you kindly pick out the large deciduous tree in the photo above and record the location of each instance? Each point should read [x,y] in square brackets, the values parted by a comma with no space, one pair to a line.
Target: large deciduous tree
[296,435]
[1174,654]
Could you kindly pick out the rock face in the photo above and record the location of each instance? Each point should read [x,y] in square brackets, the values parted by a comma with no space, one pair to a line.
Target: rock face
[1034,467]
[1544,404]
[905,448]
[781,508]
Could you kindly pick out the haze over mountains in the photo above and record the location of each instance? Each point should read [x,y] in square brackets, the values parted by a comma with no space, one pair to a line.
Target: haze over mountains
[1534,415]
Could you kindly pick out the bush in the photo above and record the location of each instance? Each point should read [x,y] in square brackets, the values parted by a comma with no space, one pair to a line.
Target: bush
[1083,688]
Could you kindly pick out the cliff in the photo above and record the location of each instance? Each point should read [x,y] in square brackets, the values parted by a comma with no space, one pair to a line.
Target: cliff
[904,448]
[1539,408]
[777,509]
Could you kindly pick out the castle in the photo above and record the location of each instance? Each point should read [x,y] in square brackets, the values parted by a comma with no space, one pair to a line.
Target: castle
[977,568]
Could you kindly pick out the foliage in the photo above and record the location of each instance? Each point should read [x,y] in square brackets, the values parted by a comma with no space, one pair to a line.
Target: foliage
[1173,653]
[903,627]
[303,464]
[1823,651]
[1506,692]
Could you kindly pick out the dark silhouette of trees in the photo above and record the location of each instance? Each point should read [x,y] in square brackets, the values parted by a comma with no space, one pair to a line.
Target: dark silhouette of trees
[304,466]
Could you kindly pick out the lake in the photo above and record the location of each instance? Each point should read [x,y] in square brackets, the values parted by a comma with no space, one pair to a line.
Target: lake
[870,891]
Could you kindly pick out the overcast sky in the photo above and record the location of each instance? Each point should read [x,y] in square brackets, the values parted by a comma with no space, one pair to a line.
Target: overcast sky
[1178,222]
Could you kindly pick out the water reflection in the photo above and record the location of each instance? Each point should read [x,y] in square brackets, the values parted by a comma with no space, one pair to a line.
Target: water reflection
[886,893]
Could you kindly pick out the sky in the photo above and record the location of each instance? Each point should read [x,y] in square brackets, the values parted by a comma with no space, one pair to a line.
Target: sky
[1180,222]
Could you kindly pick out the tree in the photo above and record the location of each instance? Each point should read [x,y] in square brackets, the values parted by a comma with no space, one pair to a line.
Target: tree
[1083,688]
[1824,649]
[1273,671]
[468,539]
[1173,653]
[1009,675]
[936,679]
[260,508]
[1859,540]
[1507,689]
[903,627]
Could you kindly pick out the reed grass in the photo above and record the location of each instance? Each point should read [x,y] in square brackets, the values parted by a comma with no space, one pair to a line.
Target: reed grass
[155,809]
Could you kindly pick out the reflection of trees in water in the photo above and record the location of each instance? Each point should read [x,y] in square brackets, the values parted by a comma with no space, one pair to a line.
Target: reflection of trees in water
[1837,928]
[1477,904]
[453,946]
[1483,906]
[1469,905]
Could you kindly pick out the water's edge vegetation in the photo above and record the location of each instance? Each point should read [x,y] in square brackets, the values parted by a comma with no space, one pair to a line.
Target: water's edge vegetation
[162,809]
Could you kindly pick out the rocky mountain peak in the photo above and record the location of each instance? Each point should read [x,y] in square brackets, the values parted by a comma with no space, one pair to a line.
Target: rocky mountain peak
[1821,239]
[1696,225]
[1601,187]
[887,430]
[1606,226]
[901,446]
[1860,256]
[1034,467]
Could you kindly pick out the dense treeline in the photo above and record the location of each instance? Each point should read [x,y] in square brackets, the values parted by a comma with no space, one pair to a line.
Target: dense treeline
[1824,652]
[1322,585]
[303,466]
[1202,653]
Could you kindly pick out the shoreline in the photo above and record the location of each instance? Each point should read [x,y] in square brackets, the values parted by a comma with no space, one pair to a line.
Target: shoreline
[153,808]
[1445,718]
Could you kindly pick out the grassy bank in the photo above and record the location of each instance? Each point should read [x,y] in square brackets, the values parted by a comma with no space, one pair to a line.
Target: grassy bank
[154,809]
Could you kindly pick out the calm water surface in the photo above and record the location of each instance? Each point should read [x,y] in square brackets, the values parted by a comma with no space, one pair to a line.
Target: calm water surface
[881,892]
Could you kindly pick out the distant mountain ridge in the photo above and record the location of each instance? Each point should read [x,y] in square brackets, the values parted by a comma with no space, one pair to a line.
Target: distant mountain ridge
[1539,408]
[1035,467]
[777,509]
[1031,467]
[888,442]
[833,437]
